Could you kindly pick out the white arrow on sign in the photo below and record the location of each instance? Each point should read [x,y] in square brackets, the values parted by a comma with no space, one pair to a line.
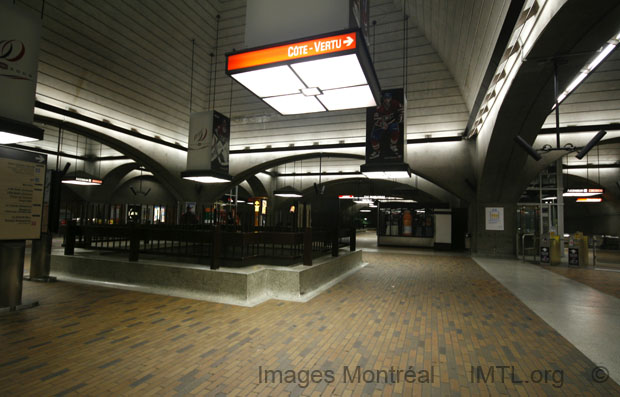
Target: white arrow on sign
[40,159]
[348,41]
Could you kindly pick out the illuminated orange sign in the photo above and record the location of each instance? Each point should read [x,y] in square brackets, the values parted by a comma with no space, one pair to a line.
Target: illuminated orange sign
[291,51]
[589,200]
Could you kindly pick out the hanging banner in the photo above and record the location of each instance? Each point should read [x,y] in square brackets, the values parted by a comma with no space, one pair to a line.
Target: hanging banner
[20,32]
[209,142]
[358,16]
[386,129]
[220,143]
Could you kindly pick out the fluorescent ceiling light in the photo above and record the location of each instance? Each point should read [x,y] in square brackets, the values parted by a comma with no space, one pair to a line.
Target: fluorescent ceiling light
[580,194]
[609,47]
[311,91]
[580,77]
[365,210]
[334,68]
[387,174]
[288,192]
[82,181]
[205,176]
[329,73]
[206,179]
[8,138]
[279,80]
[386,170]
[347,98]
[600,57]
[13,131]
[295,104]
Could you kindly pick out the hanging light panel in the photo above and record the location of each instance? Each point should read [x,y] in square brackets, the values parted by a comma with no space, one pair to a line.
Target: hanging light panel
[322,73]
[82,181]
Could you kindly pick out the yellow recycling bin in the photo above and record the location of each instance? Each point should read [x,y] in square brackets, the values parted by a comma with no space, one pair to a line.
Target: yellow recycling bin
[554,250]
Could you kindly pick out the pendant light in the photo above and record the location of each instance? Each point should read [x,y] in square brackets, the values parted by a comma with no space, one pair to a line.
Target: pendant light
[209,136]
[76,180]
[288,191]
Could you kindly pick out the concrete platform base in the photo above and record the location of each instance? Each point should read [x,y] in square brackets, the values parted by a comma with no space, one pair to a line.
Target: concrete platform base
[247,286]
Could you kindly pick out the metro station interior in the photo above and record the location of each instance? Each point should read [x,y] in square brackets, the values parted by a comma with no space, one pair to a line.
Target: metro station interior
[441,216]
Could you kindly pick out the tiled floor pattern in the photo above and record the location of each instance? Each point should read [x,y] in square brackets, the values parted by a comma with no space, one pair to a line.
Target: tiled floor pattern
[432,313]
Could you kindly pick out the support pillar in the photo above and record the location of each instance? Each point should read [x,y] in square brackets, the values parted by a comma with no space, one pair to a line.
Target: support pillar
[559,175]
[40,259]
[12,253]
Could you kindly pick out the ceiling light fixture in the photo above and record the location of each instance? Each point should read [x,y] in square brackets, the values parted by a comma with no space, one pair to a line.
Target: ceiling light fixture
[321,73]
[206,176]
[76,180]
[82,181]
[13,131]
[287,191]
[386,170]
[589,68]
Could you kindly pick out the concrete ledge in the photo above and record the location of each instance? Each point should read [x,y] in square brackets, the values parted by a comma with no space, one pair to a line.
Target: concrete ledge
[246,286]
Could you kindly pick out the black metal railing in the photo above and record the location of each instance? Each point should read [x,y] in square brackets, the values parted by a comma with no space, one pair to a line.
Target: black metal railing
[206,245]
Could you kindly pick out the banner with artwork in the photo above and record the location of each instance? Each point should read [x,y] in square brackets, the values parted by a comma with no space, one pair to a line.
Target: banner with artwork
[209,142]
[358,17]
[220,143]
[20,31]
[386,129]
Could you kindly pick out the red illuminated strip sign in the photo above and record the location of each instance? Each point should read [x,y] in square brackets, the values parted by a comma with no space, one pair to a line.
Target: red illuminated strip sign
[291,51]
[589,200]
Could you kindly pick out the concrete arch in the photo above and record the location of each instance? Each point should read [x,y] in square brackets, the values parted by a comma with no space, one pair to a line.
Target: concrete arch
[363,186]
[244,175]
[257,186]
[175,185]
[569,35]
[113,178]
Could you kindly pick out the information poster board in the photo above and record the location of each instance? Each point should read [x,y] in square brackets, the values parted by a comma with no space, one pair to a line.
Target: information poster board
[494,218]
[22,184]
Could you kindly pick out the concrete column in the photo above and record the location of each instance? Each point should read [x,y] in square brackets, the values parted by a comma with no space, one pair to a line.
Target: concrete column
[12,253]
[495,243]
[40,258]
[559,175]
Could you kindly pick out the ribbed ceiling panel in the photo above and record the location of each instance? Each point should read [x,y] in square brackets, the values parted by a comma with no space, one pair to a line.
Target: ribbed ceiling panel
[128,62]
[464,33]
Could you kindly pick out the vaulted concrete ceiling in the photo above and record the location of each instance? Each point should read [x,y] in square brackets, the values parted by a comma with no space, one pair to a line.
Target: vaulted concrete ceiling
[464,33]
[130,63]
